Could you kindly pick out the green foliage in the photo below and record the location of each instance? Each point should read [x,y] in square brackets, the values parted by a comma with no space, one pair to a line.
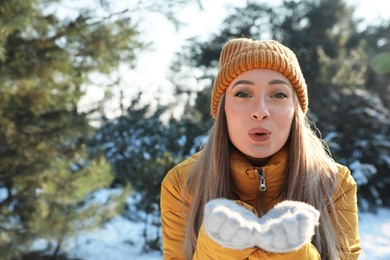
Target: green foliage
[380,63]
[142,148]
[378,43]
[356,124]
[47,176]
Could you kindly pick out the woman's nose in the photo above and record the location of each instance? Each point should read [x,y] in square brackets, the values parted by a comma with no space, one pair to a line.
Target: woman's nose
[260,111]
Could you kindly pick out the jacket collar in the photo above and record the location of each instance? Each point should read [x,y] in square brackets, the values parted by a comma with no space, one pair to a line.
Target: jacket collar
[246,178]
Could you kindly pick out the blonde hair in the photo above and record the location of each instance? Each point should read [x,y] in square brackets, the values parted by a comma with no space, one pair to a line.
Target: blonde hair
[311,177]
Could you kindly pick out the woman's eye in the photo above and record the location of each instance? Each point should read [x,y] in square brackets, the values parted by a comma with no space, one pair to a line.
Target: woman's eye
[242,94]
[280,95]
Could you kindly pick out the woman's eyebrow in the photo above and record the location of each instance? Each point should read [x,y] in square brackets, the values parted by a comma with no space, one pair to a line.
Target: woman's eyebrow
[244,82]
[278,81]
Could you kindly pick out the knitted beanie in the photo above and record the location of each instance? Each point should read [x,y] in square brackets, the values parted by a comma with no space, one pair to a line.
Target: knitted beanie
[240,55]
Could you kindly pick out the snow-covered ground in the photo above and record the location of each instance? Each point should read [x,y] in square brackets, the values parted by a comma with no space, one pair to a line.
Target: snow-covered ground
[117,240]
[374,232]
[120,239]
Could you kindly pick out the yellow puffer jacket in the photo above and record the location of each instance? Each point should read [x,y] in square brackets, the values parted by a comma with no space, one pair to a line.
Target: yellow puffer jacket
[175,207]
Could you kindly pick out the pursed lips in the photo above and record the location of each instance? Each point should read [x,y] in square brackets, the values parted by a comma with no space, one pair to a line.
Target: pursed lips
[259,134]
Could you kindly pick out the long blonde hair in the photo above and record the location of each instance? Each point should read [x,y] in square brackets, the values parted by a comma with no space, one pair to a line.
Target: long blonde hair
[311,177]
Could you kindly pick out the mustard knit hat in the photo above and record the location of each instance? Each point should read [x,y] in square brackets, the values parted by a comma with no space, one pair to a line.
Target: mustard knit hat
[240,55]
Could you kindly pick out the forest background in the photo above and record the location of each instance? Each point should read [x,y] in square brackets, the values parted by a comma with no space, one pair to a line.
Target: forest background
[57,153]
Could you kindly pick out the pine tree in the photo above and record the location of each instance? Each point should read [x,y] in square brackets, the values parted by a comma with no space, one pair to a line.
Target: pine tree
[356,124]
[142,147]
[47,177]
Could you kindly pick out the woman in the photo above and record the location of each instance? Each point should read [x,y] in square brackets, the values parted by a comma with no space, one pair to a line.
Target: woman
[260,152]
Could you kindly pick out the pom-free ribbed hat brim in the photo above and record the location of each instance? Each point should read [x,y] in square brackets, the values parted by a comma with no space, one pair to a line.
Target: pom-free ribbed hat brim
[240,55]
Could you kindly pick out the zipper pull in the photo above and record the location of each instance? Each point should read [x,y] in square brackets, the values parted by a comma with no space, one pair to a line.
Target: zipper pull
[262,179]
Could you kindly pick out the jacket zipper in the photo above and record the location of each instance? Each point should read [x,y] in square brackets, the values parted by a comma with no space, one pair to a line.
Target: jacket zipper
[262,189]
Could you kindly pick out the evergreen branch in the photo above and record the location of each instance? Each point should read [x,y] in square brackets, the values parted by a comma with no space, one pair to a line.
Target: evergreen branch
[105,18]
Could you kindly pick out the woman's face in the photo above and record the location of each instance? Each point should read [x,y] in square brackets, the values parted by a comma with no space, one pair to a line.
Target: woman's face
[259,109]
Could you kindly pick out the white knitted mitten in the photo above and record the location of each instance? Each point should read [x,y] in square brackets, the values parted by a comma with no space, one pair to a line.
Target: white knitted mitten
[287,227]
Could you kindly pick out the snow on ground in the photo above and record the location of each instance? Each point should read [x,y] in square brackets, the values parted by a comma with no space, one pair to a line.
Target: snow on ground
[112,241]
[119,239]
[374,232]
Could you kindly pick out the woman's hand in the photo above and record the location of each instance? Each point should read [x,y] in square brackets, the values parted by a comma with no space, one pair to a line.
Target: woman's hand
[287,227]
